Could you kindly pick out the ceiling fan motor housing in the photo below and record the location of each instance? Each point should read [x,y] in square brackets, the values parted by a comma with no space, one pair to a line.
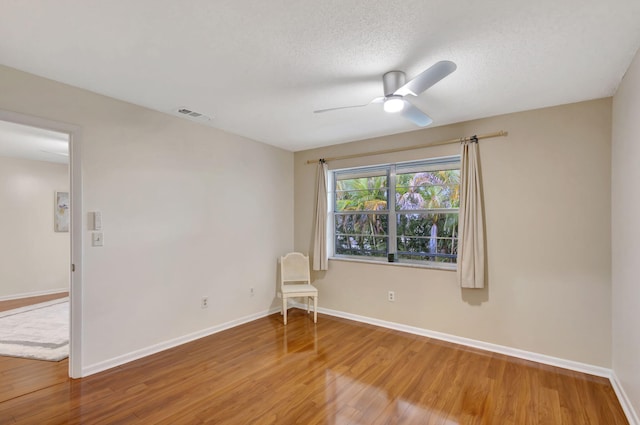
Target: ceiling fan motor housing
[392,81]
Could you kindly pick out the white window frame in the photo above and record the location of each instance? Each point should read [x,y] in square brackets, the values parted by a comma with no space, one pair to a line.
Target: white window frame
[440,163]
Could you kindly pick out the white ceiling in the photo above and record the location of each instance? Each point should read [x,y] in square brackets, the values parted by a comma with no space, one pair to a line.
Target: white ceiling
[22,141]
[260,67]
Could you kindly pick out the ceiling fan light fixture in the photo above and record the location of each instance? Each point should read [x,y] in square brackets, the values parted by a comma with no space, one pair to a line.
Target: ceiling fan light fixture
[396,88]
[393,104]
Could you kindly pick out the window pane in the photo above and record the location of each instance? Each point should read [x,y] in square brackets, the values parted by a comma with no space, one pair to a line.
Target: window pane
[428,190]
[424,210]
[427,236]
[362,224]
[362,234]
[432,249]
[362,194]
[369,246]
[428,224]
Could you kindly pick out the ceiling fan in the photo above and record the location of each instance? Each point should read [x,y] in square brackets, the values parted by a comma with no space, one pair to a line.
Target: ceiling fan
[395,91]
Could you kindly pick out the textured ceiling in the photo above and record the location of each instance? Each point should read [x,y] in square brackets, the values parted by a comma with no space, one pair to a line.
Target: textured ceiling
[260,68]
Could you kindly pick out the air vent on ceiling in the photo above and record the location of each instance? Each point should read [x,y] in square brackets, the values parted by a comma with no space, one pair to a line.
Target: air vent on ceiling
[197,116]
[190,113]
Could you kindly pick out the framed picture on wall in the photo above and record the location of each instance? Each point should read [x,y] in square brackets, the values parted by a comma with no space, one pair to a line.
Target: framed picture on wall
[61,215]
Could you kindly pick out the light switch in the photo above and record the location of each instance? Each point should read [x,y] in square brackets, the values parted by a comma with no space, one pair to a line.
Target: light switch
[97,220]
[97,239]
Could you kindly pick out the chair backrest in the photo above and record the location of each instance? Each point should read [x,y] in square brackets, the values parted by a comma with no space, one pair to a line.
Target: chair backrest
[294,267]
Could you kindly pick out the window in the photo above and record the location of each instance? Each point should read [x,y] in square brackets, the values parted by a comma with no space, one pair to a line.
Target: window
[408,211]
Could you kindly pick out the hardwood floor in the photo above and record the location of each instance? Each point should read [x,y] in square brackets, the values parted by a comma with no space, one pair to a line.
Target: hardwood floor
[22,302]
[335,372]
[22,376]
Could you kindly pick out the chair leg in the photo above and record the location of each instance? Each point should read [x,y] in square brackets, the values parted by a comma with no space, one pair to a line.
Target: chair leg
[308,302]
[284,309]
[315,309]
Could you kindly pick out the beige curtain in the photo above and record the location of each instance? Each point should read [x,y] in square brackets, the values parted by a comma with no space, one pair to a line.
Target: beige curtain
[320,261]
[471,255]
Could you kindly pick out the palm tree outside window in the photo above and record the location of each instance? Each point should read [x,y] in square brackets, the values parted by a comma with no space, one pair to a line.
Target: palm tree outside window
[419,226]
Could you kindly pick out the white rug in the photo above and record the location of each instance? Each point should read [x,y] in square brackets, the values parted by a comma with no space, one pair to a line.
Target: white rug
[39,331]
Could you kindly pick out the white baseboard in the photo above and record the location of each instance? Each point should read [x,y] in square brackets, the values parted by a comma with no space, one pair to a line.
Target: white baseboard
[33,294]
[501,349]
[138,354]
[632,415]
[629,411]
[487,346]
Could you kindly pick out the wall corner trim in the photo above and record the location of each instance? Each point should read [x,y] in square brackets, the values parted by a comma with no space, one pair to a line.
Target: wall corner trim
[629,411]
[156,348]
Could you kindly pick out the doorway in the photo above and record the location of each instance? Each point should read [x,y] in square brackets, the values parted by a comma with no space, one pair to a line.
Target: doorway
[64,150]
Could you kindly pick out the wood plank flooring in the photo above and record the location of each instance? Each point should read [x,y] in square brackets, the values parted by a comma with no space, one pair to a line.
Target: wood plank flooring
[335,372]
[22,376]
[22,302]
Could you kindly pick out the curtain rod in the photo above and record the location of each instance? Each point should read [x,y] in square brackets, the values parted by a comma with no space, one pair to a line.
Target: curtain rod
[500,133]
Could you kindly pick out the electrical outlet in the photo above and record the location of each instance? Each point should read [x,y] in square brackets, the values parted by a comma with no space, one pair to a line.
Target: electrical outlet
[253,291]
[391,296]
[204,303]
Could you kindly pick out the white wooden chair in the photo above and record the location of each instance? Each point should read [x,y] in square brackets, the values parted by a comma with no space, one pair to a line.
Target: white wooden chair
[295,281]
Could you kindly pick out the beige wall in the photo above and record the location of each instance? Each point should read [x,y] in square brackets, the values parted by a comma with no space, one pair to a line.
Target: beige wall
[547,201]
[33,258]
[172,194]
[626,233]
[188,211]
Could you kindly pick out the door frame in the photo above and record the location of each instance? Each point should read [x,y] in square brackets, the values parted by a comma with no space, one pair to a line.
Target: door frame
[76,226]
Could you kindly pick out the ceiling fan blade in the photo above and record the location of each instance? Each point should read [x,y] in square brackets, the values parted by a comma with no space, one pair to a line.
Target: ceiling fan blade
[427,78]
[415,115]
[376,100]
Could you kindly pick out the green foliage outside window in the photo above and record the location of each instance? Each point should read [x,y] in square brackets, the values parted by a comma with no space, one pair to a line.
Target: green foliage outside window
[365,232]
[421,235]
[426,210]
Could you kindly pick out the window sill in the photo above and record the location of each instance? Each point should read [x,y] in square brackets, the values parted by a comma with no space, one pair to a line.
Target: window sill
[444,267]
